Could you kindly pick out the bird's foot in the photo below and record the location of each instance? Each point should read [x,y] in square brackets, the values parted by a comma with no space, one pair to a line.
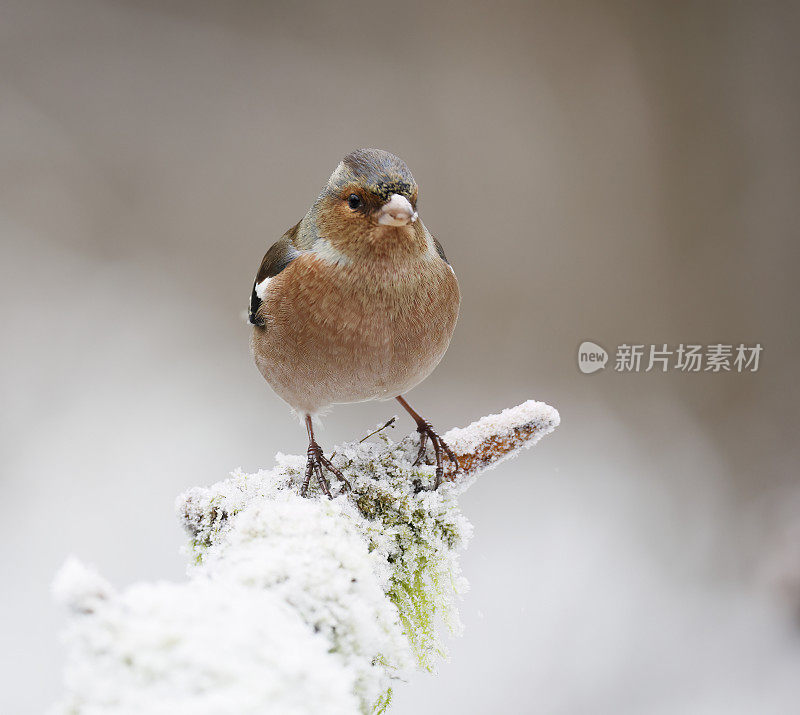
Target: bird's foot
[440,448]
[315,464]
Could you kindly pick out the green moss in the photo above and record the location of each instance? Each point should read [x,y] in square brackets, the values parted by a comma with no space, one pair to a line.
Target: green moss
[416,607]
[382,703]
[421,585]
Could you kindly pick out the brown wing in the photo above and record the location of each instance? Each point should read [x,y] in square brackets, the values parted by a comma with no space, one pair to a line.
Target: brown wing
[439,249]
[280,255]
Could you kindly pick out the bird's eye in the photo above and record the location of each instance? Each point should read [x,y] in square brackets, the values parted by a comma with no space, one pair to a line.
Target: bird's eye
[354,201]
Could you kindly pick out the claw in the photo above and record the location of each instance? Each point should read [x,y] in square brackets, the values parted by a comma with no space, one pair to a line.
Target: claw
[423,444]
[316,461]
[439,446]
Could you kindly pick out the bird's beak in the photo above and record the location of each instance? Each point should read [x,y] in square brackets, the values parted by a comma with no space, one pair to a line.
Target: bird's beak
[397,211]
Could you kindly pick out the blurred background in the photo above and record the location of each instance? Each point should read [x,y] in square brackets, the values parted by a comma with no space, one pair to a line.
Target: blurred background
[606,171]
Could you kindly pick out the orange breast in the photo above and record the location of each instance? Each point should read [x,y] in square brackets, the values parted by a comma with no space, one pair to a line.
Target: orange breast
[368,330]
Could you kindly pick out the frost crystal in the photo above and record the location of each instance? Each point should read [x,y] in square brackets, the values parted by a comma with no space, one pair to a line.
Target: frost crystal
[292,605]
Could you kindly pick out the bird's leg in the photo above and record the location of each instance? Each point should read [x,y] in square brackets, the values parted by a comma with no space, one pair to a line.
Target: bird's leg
[316,461]
[440,447]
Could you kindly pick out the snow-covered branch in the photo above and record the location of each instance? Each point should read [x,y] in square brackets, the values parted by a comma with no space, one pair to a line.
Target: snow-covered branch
[292,605]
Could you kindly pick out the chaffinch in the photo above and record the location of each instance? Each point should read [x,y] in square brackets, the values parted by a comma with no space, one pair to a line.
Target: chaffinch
[355,302]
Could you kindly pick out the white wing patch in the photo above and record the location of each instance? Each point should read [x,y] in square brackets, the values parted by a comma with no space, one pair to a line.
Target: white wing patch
[261,288]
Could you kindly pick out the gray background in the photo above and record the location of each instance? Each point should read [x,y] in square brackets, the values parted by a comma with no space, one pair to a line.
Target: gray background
[618,172]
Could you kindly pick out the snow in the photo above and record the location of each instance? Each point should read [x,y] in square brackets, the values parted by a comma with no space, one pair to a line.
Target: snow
[80,587]
[293,605]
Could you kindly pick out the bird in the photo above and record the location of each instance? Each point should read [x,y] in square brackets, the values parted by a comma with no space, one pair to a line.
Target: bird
[355,302]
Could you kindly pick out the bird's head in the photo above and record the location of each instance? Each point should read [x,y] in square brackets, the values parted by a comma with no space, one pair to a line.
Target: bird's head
[369,191]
